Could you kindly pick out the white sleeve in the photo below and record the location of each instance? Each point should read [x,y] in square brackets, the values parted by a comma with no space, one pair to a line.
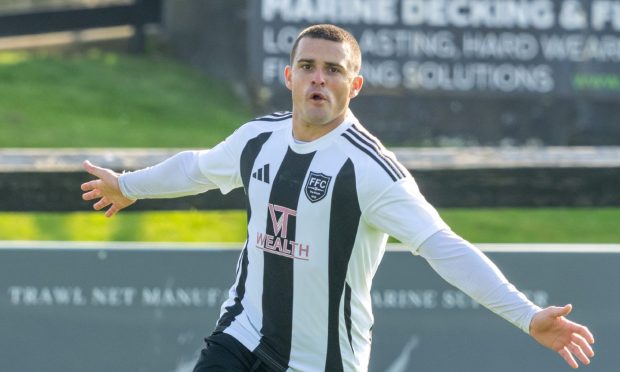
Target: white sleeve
[467,268]
[190,172]
[403,212]
[180,175]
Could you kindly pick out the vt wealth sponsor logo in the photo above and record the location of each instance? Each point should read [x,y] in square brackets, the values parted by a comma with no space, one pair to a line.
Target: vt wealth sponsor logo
[279,243]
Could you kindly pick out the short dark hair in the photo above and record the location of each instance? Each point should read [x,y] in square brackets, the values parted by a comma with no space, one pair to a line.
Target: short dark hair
[331,33]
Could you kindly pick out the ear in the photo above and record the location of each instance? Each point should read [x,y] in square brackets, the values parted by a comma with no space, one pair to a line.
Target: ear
[356,86]
[288,77]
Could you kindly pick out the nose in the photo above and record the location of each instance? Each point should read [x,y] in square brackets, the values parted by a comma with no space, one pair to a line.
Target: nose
[318,78]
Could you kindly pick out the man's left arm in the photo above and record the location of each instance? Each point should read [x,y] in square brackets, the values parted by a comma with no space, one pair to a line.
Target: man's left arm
[467,268]
[401,211]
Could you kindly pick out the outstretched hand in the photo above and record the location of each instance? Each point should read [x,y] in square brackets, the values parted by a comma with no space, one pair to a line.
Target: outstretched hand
[105,188]
[551,329]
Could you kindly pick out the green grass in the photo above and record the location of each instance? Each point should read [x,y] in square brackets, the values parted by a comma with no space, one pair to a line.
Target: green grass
[541,225]
[186,226]
[105,99]
[505,225]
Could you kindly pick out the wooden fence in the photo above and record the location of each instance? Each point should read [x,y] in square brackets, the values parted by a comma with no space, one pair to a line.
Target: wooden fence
[137,14]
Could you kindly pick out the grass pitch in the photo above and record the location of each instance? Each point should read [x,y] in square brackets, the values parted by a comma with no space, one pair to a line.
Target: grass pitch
[483,225]
[104,99]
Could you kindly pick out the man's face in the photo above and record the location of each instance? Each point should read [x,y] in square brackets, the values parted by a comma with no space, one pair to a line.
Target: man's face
[322,82]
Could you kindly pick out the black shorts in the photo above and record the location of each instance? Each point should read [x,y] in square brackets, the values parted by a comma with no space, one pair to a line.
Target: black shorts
[224,353]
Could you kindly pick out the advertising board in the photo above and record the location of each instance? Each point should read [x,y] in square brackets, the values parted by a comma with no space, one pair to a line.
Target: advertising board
[110,308]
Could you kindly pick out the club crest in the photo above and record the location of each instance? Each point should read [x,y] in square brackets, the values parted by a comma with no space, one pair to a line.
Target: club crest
[316,186]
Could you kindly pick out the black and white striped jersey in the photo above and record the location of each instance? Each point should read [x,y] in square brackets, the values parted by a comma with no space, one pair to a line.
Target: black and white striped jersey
[318,214]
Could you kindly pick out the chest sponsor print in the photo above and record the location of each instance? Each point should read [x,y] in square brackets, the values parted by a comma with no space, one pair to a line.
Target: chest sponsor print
[279,243]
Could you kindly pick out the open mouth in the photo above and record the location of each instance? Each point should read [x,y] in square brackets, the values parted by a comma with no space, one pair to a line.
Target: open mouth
[317,97]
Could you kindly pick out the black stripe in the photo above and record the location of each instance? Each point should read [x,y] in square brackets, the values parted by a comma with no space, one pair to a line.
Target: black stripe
[343,224]
[347,312]
[277,118]
[379,147]
[274,119]
[373,156]
[236,308]
[240,260]
[248,156]
[278,270]
[377,150]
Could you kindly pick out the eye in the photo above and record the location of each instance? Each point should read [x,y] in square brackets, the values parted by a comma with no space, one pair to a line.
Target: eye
[333,70]
[305,66]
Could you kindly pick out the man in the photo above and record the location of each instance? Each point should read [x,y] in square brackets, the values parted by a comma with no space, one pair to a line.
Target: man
[322,193]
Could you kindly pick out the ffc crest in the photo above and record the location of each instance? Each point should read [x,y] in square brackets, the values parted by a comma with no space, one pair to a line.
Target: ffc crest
[316,186]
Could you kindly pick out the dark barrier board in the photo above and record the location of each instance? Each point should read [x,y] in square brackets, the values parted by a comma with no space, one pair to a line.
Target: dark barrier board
[503,187]
[48,21]
[148,310]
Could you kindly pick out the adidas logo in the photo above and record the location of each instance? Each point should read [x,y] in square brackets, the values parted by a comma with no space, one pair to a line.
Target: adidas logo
[262,174]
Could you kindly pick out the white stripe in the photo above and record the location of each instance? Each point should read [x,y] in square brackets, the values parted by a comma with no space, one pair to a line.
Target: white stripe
[146,246]
[531,247]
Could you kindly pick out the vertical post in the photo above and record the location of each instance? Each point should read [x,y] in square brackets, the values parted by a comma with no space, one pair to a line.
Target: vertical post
[137,43]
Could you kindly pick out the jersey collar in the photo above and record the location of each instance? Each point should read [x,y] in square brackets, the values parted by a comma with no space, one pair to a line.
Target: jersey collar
[321,142]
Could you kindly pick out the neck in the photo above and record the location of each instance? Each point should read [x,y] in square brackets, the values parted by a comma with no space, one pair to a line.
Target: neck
[308,132]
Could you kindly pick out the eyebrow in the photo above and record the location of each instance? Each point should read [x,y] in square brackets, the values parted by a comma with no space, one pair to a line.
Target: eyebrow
[312,61]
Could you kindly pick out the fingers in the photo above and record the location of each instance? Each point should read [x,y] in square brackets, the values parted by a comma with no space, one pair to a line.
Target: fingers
[93,169]
[567,309]
[571,351]
[557,312]
[103,189]
[583,344]
[571,340]
[90,185]
[94,194]
[568,357]
[586,334]
[577,347]
[578,352]
[104,202]
[111,211]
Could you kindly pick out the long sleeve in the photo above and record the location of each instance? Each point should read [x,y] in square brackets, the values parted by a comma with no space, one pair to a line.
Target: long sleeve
[193,172]
[180,175]
[467,268]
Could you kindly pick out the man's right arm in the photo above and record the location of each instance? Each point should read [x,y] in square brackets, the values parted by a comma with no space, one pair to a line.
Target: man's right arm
[186,173]
[177,176]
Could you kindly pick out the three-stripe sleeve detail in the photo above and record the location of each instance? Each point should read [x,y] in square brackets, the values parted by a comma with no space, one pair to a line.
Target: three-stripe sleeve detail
[375,151]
